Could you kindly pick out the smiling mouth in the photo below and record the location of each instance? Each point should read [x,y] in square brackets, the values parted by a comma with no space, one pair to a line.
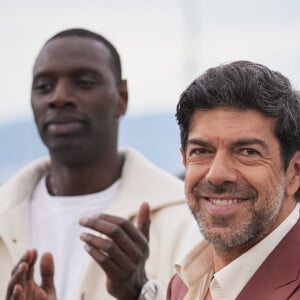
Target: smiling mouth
[224,202]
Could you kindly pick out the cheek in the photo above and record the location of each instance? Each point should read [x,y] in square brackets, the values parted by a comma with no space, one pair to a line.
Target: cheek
[38,107]
[195,173]
[266,182]
[190,181]
[193,176]
[190,199]
[263,176]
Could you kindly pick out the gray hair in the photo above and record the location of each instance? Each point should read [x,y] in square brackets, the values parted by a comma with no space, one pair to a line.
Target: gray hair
[245,85]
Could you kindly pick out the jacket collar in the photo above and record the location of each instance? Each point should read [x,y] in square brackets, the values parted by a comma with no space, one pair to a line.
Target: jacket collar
[141,182]
[278,276]
[14,212]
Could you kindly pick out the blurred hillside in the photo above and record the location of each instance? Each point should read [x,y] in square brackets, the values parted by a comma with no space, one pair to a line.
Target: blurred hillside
[157,136]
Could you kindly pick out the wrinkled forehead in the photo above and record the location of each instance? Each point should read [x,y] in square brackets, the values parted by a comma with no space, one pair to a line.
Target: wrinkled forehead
[72,51]
[229,123]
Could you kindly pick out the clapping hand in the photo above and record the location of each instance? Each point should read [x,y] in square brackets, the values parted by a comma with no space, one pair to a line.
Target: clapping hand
[121,250]
[22,285]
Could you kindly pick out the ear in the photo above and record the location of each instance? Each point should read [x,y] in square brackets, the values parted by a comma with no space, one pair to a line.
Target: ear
[293,175]
[123,100]
[183,157]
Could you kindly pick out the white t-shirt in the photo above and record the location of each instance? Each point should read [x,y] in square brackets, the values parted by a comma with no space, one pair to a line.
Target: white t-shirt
[55,228]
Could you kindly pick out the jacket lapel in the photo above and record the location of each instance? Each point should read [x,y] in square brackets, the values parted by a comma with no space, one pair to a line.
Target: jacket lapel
[144,182]
[14,210]
[15,229]
[278,276]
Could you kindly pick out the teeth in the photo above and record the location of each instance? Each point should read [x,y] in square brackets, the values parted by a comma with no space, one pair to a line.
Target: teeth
[224,201]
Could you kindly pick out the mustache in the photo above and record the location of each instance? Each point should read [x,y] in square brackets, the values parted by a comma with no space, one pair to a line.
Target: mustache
[240,189]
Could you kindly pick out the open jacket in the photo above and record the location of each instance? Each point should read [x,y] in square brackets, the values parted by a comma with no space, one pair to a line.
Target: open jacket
[278,278]
[140,181]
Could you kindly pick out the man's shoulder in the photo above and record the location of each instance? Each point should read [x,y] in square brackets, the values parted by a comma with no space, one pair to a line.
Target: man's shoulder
[142,181]
[278,276]
[38,166]
[136,164]
[23,182]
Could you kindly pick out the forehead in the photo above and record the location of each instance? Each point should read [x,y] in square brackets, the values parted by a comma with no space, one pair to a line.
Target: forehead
[228,124]
[73,53]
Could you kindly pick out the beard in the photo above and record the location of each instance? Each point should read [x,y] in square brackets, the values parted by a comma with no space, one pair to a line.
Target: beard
[234,230]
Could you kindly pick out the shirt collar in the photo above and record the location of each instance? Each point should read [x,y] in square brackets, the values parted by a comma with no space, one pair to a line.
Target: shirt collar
[256,255]
[196,269]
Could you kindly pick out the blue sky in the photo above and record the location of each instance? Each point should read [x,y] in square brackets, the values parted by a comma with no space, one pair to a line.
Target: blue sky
[163,44]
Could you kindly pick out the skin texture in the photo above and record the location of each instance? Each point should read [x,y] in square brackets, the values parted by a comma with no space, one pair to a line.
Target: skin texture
[123,260]
[235,183]
[77,103]
[122,254]
[22,285]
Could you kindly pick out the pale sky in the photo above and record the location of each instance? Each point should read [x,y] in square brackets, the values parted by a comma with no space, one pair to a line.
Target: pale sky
[163,44]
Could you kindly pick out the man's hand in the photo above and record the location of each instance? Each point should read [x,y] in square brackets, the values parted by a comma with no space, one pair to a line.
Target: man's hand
[22,285]
[121,250]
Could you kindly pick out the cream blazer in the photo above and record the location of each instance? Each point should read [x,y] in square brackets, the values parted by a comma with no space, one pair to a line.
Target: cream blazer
[140,181]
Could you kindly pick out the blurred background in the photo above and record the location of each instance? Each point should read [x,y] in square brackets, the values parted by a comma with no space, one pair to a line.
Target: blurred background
[163,46]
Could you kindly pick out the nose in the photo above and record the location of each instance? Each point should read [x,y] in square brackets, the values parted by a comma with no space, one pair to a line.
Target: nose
[62,95]
[221,170]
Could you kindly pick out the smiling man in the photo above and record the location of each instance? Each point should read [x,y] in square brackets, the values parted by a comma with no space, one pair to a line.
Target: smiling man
[240,137]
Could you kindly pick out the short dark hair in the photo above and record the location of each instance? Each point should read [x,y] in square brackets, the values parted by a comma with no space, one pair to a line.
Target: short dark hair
[80,32]
[245,85]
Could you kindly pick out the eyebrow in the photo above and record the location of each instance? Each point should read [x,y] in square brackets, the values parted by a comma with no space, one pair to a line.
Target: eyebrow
[41,74]
[199,142]
[76,71]
[250,141]
[239,143]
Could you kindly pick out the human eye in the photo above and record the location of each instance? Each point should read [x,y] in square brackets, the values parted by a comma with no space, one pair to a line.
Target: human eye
[198,152]
[249,152]
[86,81]
[42,85]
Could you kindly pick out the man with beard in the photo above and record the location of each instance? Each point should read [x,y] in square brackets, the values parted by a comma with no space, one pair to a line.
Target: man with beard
[78,97]
[240,137]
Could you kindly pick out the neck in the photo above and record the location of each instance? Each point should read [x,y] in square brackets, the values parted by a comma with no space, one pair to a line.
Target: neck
[71,181]
[223,257]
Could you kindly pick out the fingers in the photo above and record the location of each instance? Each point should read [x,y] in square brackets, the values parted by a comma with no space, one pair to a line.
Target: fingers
[105,261]
[29,257]
[17,282]
[22,271]
[124,246]
[22,286]
[108,254]
[119,245]
[33,257]
[121,231]
[47,271]
[121,250]
[17,294]
[143,219]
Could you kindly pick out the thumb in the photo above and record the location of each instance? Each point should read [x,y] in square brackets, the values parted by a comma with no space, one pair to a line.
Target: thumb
[143,219]
[47,272]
